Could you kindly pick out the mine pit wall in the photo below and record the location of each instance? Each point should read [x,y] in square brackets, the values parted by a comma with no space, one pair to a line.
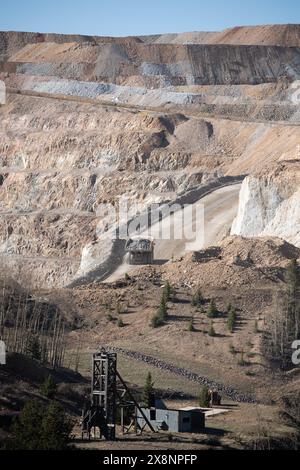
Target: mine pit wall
[155,64]
[159,100]
[269,207]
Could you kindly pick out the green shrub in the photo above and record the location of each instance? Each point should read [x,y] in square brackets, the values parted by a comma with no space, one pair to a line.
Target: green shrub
[120,323]
[156,321]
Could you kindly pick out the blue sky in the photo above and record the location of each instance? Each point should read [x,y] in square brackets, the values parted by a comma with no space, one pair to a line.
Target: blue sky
[134,17]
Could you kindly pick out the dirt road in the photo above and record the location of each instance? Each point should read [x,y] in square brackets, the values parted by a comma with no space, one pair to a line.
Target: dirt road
[220,208]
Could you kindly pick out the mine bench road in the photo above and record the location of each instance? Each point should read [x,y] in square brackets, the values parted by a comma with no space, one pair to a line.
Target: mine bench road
[136,108]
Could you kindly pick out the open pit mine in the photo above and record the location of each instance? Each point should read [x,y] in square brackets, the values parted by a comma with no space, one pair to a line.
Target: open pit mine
[211,120]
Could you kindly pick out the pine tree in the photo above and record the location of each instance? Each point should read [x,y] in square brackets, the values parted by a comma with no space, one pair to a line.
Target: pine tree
[26,431]
[167,291]
[231,321]
[204,397]
[48,388]
[163,309]
[56,428]
[148,392]
[197,299]
[40,428]
[34,348]
[212,309]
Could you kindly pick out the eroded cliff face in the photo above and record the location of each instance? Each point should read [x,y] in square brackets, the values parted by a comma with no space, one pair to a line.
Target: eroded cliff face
[269,205]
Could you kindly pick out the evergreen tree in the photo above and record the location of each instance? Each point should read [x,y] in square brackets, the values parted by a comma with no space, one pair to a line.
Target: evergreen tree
[34,348]
[148,392]
[26,431]
[56,428]
[204,397]
[167,291]
[163,309]
[197,299]
[231,320]
[48,388]
[40,428]
[212,309]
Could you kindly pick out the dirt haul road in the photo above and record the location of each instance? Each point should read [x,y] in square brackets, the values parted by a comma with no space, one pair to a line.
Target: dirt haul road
[219,209]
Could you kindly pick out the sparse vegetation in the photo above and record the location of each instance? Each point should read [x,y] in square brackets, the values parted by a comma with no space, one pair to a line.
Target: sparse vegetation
[31,327]
[284,325]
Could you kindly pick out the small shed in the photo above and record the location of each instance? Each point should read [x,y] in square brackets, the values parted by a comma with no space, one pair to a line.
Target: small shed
[140,250]
[163,419]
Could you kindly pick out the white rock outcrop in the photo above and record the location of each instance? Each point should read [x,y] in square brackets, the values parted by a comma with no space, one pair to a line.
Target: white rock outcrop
[263,211]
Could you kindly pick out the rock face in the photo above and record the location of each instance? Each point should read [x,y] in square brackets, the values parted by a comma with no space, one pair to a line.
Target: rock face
[88,120]
[270,206]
